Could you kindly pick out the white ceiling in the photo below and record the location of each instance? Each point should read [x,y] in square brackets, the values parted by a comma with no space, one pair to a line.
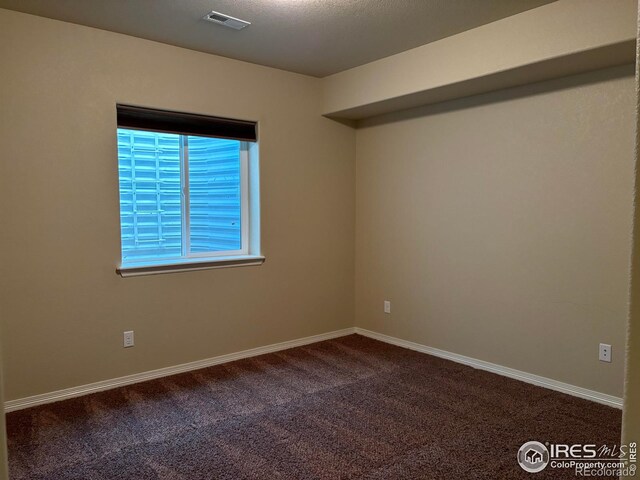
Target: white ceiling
[313,37]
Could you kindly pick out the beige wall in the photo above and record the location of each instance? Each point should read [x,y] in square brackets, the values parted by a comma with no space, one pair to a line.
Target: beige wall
[631,418]
[63,307]
[499,226]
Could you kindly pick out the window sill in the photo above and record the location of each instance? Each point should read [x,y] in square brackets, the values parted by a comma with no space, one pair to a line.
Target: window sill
[182,265]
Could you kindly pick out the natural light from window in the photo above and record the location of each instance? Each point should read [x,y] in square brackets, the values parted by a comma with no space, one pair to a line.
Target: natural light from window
[180,196]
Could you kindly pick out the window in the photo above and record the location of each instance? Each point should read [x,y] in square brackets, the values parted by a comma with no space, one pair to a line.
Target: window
[188,193]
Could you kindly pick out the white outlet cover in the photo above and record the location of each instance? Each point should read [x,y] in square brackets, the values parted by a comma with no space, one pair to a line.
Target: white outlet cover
[605,353]
[387,306]
[128,339]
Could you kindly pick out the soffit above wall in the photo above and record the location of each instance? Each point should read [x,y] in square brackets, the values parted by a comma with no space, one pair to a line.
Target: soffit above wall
[563,38]
[313,37]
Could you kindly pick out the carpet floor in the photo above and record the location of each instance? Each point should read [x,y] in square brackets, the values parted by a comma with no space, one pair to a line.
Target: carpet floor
[350,408]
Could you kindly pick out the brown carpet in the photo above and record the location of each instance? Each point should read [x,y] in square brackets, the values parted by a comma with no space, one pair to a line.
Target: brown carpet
[351,408]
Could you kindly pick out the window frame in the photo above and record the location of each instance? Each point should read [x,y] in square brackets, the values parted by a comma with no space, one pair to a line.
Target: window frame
[186,206]
[249,253]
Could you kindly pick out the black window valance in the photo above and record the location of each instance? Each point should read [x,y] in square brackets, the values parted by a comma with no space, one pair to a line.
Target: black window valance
[141,118]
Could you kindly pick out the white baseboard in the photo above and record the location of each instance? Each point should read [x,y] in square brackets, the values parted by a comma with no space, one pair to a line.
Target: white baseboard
[592,395]
[21,403]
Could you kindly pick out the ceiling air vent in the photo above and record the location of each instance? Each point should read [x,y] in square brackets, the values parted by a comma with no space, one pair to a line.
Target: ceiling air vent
[226,20]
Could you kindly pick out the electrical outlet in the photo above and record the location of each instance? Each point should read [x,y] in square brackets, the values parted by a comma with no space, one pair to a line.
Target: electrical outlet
[605,352]
[128,339]
[387,306]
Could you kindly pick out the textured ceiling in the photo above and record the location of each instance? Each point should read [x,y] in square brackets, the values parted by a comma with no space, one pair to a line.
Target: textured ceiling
[314,37]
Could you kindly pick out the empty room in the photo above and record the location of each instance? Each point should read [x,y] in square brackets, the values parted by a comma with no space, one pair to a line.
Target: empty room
[319,239]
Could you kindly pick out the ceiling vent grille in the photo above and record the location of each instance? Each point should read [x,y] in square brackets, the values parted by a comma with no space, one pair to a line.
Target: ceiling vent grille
[226,20]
